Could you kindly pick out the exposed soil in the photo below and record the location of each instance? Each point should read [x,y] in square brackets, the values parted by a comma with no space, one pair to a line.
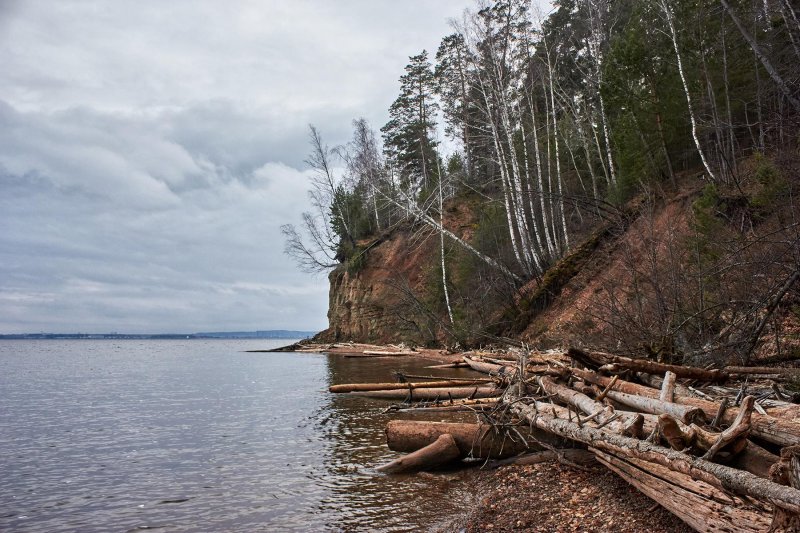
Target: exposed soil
[550,497]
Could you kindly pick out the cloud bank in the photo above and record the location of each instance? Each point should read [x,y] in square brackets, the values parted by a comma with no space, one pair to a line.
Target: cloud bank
[149,153]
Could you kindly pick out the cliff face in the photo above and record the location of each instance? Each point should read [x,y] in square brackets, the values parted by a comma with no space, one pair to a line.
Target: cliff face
[393,292]
[375,301]
[628,284]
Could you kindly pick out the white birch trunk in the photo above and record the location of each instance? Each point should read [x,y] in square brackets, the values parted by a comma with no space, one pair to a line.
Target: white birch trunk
[673,32]
[558,158]
[441,247]
[779,81]
[537,151]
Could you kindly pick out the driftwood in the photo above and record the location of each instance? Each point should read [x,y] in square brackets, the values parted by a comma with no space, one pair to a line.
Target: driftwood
[657,382]
[617,362]
[719,476]
[701,505]
[668,387]
[387,353]
[440,452]
[426,393]
[731,446]
[457,364]
[714,477]
[771,429]
[629,423]
[473,440]
[481,404]
[762,370]
[354,387]
[488,368]
[686,413]
[787,472]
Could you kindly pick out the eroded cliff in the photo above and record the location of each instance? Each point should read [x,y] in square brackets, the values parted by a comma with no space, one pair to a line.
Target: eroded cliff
[635,282]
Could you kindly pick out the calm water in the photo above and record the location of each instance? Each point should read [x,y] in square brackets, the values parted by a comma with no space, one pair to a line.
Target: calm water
[199,436]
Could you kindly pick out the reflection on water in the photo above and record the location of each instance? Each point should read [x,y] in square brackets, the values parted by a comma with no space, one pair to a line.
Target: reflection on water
[358,444]
[198,435]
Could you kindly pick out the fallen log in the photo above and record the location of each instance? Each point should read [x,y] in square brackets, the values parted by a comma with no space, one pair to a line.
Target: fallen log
[668,387]
[388,353]
[614,363]
[449,405]
[657,382]
[702,506]
[762,370]
[473,440]
[440,452]
[755,460]
[719,476]
[488,368]
[403,377]
[746,455]
[787,472]
[354,387]
[601,414]
[685,413]
[617,362]
[771,429]
[426,393]
[457,364]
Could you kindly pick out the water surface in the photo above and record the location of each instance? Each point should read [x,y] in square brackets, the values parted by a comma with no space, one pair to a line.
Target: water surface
[198,435]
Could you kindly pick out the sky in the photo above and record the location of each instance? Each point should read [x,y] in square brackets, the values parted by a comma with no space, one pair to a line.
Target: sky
[150,152]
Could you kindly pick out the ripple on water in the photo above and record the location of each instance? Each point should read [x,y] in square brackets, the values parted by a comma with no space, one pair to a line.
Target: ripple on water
[198,435]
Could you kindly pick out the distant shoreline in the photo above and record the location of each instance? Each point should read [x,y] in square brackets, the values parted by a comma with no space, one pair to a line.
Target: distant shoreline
[268,334]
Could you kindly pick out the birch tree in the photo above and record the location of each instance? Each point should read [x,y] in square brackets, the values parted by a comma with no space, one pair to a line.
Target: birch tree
[669,18]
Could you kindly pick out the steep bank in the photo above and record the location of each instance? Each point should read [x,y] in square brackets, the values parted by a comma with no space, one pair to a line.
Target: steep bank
[370,303]
[385,294]
[626,285]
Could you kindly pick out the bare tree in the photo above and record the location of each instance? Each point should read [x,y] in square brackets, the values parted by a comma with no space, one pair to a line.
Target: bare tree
[314,245]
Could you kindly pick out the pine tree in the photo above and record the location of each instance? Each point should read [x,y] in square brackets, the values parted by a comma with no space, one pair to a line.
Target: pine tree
[409,135]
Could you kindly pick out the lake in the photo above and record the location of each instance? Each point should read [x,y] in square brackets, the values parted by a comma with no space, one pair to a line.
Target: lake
[198,435]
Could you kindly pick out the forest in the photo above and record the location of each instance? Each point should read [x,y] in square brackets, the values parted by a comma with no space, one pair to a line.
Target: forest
[528,138]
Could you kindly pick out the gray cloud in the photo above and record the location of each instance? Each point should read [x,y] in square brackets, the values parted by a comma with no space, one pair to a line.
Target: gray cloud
[149,153]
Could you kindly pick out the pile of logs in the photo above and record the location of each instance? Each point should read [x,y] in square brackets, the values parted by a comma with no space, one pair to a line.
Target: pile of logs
[719,448]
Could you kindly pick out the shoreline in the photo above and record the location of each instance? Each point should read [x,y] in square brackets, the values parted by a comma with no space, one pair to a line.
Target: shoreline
[368,350]
[556,496]
[546,497]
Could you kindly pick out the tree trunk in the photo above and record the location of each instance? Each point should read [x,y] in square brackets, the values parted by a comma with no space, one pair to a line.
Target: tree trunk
[685,413]
[630,423]
[424,393]
[719,476]
[615,362]
[768,428]
[567,456]
[440,452]
[700,505]
[473,440]
[668,387]
[488,368]
[353,387]
[782,85]
[665,7]
[787,472]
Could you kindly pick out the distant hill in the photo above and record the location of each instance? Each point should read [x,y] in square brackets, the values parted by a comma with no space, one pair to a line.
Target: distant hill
[268,334]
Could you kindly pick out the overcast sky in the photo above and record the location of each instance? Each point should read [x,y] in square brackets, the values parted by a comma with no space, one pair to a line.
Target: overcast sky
[150,151]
